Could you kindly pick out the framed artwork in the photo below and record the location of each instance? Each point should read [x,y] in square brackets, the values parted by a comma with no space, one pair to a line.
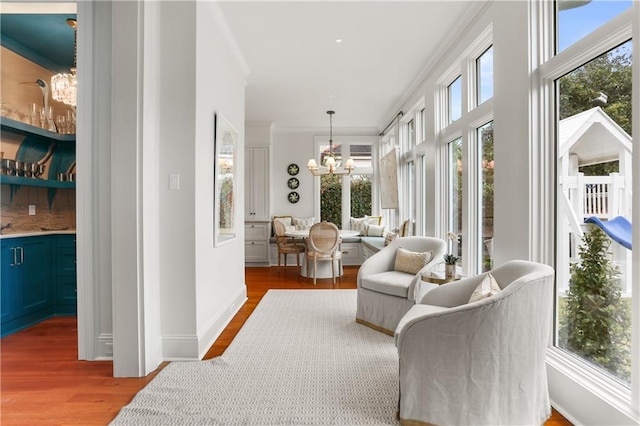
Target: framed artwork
[389,180]
[225,191]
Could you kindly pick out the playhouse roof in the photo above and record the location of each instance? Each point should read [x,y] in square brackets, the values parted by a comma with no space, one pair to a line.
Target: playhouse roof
[593,136]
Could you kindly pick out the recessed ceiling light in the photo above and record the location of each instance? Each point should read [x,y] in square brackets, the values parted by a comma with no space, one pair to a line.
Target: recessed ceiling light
[338,40]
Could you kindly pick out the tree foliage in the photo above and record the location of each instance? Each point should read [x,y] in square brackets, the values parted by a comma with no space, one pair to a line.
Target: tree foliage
[596,321]
[331,197]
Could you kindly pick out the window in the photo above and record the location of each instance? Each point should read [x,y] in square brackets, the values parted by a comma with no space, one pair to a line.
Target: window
[484,75]
[594,175]
[344,196]
[411,134]
[485,154]
[423,124]
[577,19]
[454,194]
[411,199]
[455,100]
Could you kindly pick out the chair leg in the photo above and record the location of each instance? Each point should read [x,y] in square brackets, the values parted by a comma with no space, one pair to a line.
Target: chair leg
[333,270]
[315,269]
[298,259]
[279,255]
[285,260]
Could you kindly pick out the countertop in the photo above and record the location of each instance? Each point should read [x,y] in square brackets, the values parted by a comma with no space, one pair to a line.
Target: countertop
[36,233]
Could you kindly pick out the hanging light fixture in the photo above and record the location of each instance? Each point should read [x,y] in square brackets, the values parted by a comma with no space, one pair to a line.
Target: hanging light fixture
[64,87]
[330,166]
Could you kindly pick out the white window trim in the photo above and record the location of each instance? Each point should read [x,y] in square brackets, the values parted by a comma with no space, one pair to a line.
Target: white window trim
[586,380]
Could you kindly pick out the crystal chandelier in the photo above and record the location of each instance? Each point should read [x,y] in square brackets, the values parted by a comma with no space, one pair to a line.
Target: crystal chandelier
[64,87]
[330,166]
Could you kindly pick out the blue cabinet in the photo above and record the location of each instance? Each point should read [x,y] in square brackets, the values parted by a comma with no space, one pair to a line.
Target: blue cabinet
[65,258]
[37,282]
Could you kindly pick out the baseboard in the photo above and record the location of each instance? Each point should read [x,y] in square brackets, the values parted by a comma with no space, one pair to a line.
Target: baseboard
[180,347]
[104,344]
[210,331]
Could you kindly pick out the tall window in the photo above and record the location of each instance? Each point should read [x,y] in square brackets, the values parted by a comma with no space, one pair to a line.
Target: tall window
[411,199]
[347,196]
[485,154]
[484,75]
[455,99]
[594,150]
[454,191]
[577,19]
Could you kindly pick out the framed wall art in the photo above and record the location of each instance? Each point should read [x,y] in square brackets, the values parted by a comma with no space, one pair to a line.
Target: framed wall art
[225,191]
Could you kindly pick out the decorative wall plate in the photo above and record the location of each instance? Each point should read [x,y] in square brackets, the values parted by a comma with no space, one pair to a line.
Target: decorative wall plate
[293,183]
[293,197]
[293,169]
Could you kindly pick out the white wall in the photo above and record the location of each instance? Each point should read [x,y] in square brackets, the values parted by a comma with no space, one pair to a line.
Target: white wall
[220,82]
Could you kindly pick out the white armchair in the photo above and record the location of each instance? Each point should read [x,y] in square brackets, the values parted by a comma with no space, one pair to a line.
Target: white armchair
[479,363]
[384,294]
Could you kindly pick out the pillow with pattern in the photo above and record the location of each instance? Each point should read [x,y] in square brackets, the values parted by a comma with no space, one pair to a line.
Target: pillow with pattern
[488,287]
[359,224]
[303,223]
[410,261]
[374,220]
[390,237]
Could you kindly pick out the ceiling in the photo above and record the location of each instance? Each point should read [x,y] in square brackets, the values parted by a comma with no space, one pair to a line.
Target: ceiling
[297,70]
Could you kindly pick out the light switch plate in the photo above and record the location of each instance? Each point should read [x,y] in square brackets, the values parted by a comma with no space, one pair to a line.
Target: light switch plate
[32,209]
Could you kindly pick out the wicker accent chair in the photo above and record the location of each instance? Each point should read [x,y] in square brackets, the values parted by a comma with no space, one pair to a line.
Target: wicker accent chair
[323,245]
[286,245]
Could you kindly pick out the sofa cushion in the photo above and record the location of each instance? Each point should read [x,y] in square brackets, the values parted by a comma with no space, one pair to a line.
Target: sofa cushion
[390,237]
[375,244]
[393,283]
[303,223]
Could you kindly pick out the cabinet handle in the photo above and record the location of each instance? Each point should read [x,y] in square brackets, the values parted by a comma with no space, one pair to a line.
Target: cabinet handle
[253,226]
[345,252]
[15,261]
[252,243]
[21,255]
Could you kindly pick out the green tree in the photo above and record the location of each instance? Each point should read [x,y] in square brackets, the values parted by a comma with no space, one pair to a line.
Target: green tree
[360,196]
[331,199]
[596,323]
[610,74]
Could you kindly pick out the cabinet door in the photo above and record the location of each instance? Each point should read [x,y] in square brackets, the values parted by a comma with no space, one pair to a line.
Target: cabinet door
[37,275]
[10,284]
[65,258]
[248,184]
[260,190]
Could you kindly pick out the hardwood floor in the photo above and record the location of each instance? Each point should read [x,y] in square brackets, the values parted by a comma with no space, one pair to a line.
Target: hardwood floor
[43,383]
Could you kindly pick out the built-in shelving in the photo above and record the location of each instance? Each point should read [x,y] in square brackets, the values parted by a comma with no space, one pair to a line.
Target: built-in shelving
[41,183]
[29,130]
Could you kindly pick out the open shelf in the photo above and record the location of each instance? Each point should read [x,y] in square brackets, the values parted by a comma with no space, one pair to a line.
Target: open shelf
[28,130]
[42,183]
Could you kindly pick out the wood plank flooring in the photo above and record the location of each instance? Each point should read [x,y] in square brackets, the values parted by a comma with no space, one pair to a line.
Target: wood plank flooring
[43,383]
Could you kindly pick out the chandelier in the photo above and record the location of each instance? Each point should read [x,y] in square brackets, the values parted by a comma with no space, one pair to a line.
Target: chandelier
[64,87]
[330,166]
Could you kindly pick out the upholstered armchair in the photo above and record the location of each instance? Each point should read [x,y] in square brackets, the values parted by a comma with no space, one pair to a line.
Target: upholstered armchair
[385,293]
[480,362]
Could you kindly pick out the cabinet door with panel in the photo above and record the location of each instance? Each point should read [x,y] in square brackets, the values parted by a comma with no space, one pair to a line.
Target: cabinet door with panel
[66,281]
[37,278]
[11,280]
[256,183]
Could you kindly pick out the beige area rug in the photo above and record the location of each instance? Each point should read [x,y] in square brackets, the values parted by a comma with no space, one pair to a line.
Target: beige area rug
[300,359]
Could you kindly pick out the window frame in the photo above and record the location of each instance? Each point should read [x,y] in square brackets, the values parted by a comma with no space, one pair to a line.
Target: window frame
[553,66]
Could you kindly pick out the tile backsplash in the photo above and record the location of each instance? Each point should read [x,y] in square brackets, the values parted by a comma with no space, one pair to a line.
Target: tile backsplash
[14,213]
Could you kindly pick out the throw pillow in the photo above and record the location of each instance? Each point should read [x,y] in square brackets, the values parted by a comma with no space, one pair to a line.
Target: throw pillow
[374,220]
[289,228]
[488,287]
[359,224]
[375,231]
[410,261]
[406,228]
[303,223]
[390,237]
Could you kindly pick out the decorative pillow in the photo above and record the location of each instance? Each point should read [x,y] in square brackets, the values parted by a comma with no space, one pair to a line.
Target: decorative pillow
[285,219]
[410,261]
[374,220]
[390,237]
[359,224]
[303,223]
[375,231]
[487,288]
[405,229]
[289,228]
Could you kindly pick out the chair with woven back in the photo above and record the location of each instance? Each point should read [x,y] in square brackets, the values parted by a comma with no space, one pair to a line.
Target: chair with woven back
[286,245]
[324,245]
